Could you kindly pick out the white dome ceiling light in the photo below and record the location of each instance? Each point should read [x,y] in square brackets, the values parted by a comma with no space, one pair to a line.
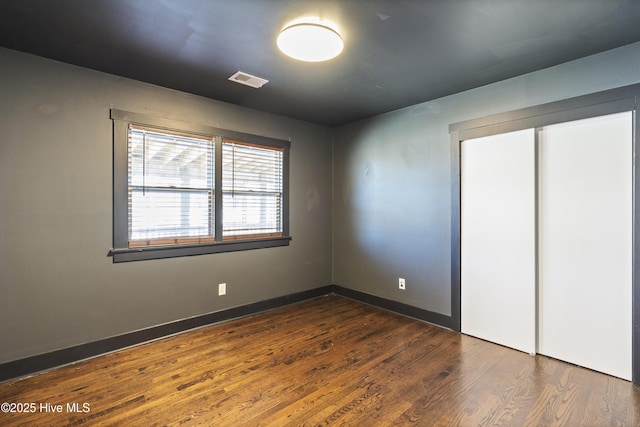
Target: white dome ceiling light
[311,40]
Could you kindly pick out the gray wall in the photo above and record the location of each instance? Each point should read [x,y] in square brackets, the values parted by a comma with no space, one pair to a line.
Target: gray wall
[391,179]
[58,288]
[370,208]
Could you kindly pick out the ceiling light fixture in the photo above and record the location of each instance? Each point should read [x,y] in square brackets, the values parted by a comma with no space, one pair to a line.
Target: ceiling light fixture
[311,40]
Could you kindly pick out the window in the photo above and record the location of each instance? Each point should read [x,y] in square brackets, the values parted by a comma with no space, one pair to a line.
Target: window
[170,190]
[182,189]
[251,191]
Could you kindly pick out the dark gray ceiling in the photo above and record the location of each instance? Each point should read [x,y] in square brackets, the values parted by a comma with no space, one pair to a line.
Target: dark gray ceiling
[397,52]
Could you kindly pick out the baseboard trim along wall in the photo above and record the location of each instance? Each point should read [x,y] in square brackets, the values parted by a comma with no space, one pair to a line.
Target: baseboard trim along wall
[54,359]
[394,306]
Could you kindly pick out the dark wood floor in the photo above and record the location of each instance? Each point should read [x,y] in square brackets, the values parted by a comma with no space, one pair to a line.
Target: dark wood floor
[328,361]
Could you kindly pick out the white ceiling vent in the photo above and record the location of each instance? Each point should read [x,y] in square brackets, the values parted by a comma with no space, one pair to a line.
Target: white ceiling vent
[248,79]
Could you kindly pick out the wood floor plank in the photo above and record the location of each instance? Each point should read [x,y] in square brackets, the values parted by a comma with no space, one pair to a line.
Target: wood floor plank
[326,361]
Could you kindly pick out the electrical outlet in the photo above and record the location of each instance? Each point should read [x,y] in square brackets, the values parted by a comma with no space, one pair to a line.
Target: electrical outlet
[401,283]
[222,289]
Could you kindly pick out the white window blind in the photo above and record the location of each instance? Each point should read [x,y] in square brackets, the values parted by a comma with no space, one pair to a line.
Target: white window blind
[170,188]
[251,190]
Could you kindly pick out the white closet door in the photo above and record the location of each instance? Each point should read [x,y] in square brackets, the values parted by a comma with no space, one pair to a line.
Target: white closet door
[498,239]
[585,228]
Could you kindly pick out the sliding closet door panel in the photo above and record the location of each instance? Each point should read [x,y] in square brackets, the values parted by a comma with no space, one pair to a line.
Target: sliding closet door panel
[585,244]
[498,239]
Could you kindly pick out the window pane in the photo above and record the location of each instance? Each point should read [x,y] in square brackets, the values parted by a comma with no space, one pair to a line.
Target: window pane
[246,213]
[167,160]
[250,168]
[170,186]
[252,190]
[163,213]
